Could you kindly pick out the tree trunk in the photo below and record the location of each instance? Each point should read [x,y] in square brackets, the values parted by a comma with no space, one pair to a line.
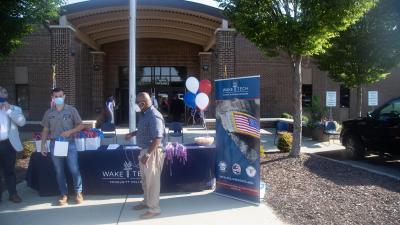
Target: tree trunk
[297,112]
[359,100]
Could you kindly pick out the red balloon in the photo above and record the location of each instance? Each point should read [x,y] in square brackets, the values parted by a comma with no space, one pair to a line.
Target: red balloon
[205,86]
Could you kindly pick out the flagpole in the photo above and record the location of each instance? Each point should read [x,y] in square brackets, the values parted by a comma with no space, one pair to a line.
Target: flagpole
[132,66]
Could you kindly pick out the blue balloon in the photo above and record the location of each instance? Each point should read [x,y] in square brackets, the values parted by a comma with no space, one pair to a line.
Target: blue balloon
[189,99]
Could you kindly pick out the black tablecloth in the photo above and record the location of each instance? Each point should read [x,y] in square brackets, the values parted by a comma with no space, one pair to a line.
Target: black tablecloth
[115,172]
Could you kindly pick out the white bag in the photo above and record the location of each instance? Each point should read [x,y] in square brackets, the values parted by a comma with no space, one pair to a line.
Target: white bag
[61,148]
[39,146]
[92,143]
[80,144]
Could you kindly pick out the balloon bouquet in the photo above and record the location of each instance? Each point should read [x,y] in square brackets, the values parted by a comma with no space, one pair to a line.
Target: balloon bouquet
[197,97]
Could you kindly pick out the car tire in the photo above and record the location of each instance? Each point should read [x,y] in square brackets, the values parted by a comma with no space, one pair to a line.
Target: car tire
[354,147]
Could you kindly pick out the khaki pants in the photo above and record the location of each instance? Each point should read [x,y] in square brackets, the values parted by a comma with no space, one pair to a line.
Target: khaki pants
[151,179]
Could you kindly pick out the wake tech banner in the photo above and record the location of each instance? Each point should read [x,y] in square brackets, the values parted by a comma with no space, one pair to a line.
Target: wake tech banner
[238,138]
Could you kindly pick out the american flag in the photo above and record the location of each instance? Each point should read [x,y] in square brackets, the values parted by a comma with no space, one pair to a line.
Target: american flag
[246,124]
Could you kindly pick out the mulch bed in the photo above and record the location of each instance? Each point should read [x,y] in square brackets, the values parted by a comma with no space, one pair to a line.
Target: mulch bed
[314,190]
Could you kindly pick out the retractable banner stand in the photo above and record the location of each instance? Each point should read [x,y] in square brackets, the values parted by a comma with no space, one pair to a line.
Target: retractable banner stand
[238,138]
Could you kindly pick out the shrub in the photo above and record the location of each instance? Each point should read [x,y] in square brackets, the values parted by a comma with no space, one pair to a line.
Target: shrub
[305,119]
[286,115]
[29,148]
[285,141]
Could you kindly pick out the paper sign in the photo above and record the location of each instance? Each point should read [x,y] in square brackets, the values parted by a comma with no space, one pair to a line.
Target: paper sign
[331,98]
[372,98]
[61,148]
[112,146]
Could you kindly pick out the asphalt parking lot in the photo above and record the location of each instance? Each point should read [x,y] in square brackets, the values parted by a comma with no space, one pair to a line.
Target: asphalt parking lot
[386,165]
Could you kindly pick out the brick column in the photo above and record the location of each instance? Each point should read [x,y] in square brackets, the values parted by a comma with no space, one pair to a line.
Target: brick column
[62,56]
[225,47]
[97,81]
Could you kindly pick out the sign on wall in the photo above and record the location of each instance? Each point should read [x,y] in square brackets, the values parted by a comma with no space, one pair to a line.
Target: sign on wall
[331,98]
[238,138]
[372,98]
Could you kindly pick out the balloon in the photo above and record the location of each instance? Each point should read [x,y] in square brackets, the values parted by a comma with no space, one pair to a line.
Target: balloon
[192,84]
[202,101]
[189,99]
[205,86]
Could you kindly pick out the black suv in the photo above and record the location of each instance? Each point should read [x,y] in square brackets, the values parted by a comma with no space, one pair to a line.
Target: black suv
[379,132]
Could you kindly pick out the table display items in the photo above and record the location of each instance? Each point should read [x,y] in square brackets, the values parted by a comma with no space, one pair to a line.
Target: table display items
[175,150]
[37,138]
[88,139]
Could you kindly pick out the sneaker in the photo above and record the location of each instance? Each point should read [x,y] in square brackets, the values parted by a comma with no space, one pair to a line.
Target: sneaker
[139,207]
[15,198]
[79,198]
[62,200]
[148,215]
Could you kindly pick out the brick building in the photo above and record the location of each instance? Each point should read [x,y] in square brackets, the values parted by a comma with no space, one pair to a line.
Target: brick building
[89,49]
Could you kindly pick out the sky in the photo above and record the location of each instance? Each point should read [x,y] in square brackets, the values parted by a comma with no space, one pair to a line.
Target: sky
[205,2]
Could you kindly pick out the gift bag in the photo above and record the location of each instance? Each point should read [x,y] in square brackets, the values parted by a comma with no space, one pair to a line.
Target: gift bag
[80,144]
[39,146]
[61,148]
[92,143]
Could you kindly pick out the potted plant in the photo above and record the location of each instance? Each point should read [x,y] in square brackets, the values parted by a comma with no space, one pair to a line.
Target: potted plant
[315,127]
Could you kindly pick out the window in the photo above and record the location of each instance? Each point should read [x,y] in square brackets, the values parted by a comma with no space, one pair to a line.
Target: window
[22,95]
[390,111]
[306,94]
[344,97]
[162,76]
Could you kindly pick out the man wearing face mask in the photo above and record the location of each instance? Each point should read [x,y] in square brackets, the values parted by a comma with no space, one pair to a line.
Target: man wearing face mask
[150,132]
[63,121]
[10,118]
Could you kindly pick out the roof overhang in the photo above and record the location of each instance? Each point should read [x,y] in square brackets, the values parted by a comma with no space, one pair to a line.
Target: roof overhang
[108,21]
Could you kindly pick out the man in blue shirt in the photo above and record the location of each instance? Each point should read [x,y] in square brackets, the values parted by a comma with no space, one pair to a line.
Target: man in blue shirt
[150,132]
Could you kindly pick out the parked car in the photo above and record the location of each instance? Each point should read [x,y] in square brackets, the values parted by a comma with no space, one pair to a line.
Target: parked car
[379,132]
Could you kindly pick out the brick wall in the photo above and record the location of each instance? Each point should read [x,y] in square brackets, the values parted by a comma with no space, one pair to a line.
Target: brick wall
[35,55]
[276,80]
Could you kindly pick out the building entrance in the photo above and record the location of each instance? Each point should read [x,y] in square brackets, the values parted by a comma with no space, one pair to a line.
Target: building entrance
[165,83]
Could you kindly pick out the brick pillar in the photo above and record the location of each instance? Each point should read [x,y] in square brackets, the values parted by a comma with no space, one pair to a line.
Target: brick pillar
[225,47]
[62,56]
[205,65]
[97,82]
[205,59]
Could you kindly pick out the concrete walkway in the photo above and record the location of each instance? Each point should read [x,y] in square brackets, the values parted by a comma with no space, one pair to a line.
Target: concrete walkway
[202,208]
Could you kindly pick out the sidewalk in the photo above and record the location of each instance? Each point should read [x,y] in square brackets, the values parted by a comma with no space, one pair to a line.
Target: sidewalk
[205,208]
[202,208]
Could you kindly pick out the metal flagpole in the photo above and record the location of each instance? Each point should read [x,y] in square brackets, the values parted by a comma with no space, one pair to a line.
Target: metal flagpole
[132,66]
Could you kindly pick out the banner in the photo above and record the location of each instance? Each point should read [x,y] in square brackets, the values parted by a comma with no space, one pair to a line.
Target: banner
[238,138]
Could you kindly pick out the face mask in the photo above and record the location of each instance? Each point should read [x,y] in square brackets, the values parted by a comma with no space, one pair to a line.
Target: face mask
[137,108]
[59,101]
[2,100]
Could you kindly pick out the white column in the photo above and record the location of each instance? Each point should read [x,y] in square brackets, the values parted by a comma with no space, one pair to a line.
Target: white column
[132,66]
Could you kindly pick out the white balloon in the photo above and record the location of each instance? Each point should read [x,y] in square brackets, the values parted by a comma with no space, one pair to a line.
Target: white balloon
[202,101]
[192,84]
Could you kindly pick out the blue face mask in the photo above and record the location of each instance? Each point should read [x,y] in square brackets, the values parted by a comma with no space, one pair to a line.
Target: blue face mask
[2,100]
[59,101]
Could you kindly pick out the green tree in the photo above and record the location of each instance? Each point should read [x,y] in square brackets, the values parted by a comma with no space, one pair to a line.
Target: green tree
[18,18]
[367,51]
[294,28]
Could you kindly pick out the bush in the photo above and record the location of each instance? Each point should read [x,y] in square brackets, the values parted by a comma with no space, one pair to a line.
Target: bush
[29,148]
[286,116]
[285,141]
[305,119]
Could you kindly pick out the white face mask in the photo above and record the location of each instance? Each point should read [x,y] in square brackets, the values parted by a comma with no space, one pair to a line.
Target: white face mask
[137,108]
